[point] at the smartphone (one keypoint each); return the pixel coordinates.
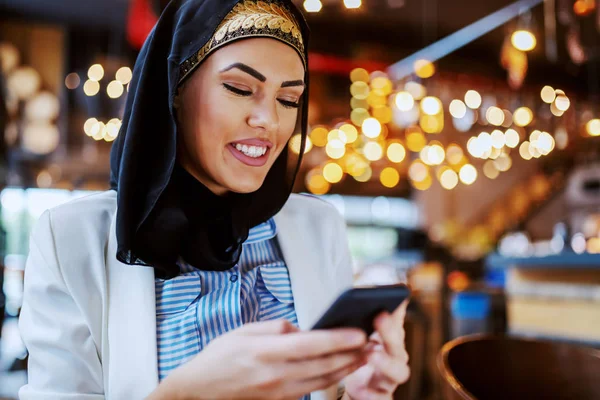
(358, 307)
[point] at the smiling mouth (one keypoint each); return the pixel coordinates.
(251, 151)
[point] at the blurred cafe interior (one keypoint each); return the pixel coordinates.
(460, 140)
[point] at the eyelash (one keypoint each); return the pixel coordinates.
(244, 93)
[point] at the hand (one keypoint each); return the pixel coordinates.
(266, 360)
(387, 365)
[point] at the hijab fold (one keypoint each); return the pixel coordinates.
(163, 213)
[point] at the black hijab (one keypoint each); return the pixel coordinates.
(163, 212)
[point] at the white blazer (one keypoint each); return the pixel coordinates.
(89, 321)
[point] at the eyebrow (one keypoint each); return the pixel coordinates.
(257, 75)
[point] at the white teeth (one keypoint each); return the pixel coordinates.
(251, 151)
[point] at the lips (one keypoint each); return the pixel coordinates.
(253, 152)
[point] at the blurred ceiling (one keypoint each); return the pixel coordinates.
(381, 30)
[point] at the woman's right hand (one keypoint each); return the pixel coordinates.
(266, 360)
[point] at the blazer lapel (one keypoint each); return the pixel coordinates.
(132, 353)
(305, 264)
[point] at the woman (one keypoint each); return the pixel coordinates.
(194, 277)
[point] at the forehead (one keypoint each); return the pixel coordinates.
(270, 57)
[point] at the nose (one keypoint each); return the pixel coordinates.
(264, 116)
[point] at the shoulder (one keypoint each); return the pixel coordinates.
(94, 212)
(80, 224)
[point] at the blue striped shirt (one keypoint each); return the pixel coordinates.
(197, 306)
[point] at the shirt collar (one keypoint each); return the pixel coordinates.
(265, 231)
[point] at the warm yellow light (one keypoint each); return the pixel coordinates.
(523, 116)
(389, 177)
(494, 153)
(424, 155)
(415, 140)
(72, 81)
(562, 102)
(373, 151)
(371, 128)
(358, 116)
(350, 131)
(124, 75)
(332, 172)
(432, 123)
(548, 95)
(545, 143)
(473, 99)
(352, 3)
(404, 101)
(318, 185)
(91, 88)
(418, 171)
(111, 130)
(98, 130)
(383, 114)
(435, 154)
(337, 134)
(319, 136)
(490, 170)
(523, 40)
(555, 111)
(424, 69)
(96, 72)
(295, 142)
(524, 151)
(313, 5)
(89, 125)
(593, 127)
(335, 149)
(431, 105)
(454, 154)
(359, 75)
(494, 115)
(416, 90)
(503, 163)
(458, 109)
(382, 85)
(358, 103)
(449, 179)
(115, 89)
(360, 90)
(498, 139)
(474, 148)
(424, 184)
(365, 176)
(468, 174)
(396, 152)
(512, 138)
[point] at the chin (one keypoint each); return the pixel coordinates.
(245, 186)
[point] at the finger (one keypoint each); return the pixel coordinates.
(313, 344)
(401, 310)
(392, 333)
(273, 327)
(317, 367)
(394, 371)
(326, 381)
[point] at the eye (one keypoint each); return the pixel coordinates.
(289, 104)
(237, 91)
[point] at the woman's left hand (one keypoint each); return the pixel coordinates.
(387, 360)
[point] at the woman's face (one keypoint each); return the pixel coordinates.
(237, 113)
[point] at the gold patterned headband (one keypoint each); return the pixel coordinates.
(250, 18)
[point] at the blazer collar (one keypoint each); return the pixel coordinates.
(132, 371)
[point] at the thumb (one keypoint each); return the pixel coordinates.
(274, 327)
